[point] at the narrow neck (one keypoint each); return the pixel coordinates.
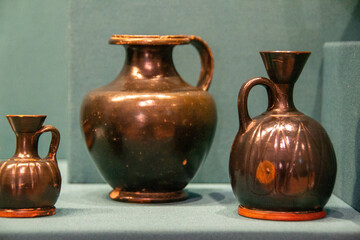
(284, 101)
(149, 61)
(26, 146)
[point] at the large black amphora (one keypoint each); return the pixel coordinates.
(148, 131)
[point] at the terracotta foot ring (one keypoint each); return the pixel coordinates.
(281, 216)
(27, 212)
(146, 197)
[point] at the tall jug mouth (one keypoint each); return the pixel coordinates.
(286, 52)
(149, 39)
(284, 67)
(26, 123)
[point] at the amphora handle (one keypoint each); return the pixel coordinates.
(244, 116)
(207, 62)
(55, 140)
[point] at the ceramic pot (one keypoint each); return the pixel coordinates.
(148, 131)
(282, 163)
(29, 185)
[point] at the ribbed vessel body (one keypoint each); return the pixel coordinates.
(33, 183)
(283, 163)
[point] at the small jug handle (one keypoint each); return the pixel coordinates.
(207, 62)
(244, 116)
(55, 140)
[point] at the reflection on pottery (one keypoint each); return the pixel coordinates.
(29, 185)
(148, 131)
(282, 163)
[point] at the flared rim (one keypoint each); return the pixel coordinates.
(149, 39)
(285, 51)
(25, 116)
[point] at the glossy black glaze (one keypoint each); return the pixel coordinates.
(281, 160)
(148, 131)
(29, 185)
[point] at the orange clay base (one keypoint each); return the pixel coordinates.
(281, 216)
(146, 197)
(27, 212)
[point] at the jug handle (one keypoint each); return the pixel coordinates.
(244, 116)
(55, 140)
(207, 62)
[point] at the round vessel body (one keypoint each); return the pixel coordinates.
(148, 131)
(283, 163)
(29, 184)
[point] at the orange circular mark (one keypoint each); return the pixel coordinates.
(184, 162)
(265, 172)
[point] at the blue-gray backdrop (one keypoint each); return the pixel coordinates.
(53, 52)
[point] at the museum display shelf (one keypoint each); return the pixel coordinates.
(85, 211)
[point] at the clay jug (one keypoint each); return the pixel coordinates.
(148, 131)
(282, 163)
(29, 185)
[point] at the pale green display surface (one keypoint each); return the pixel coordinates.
(84, 211)
(33, 67)
(235, 30)
(341, 115)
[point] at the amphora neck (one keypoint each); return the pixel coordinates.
(149, 61)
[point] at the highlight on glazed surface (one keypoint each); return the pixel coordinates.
(29, 185)
(282, 161)
(148, 131)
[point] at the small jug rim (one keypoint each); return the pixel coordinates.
(26, 115)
